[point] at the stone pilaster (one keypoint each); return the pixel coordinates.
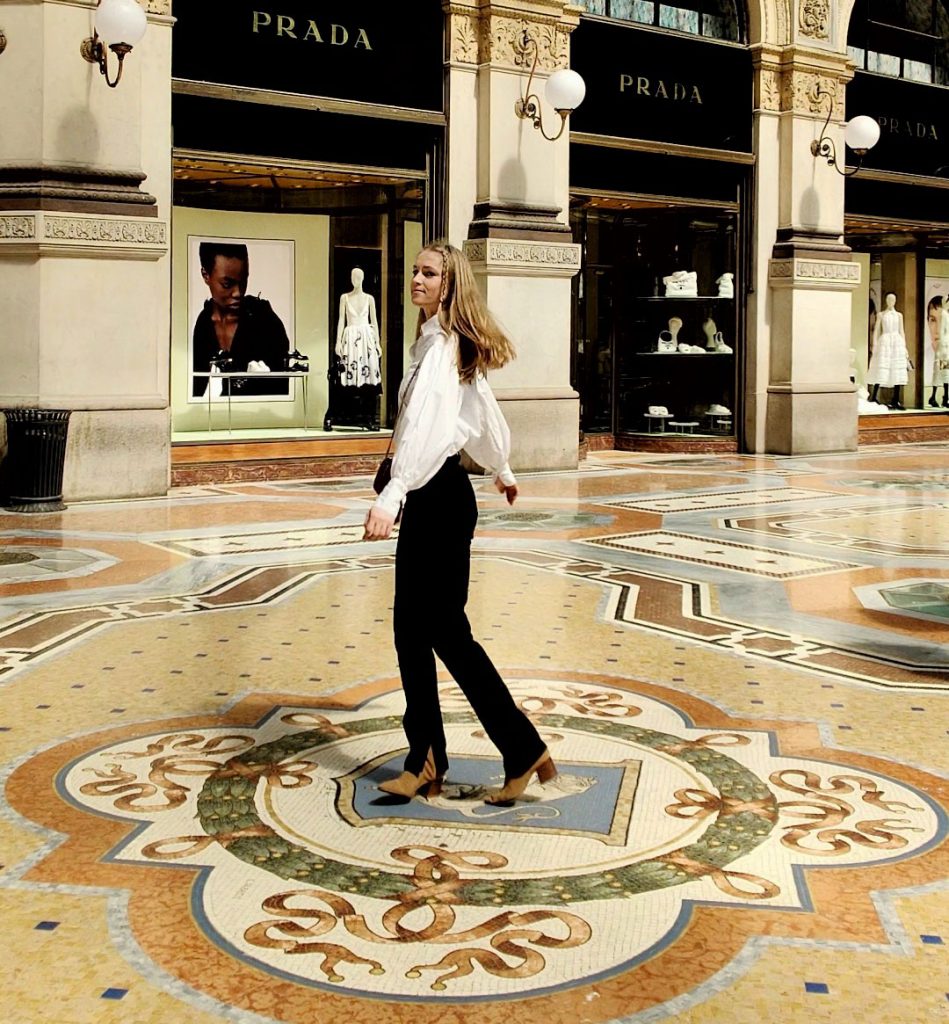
(799, 397)
(509, 200)
(85, 196)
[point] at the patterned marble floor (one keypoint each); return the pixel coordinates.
(739, 663)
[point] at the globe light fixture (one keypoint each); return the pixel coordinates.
(564, 91)
(121, 24)
(861, 134)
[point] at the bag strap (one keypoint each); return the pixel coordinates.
(398, 414)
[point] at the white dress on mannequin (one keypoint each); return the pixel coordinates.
(357, 338)
(941, 356)
(888, 365)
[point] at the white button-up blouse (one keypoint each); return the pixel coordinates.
(441, 416)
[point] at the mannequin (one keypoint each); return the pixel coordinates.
(357, 336)
(888, 364)
(937, 317)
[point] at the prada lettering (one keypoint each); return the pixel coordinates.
(914, 129)
(659, 89)
(306, 30)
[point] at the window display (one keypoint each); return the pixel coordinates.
(657, 313)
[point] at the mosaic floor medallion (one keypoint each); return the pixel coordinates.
(267, 824)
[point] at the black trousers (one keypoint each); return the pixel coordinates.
(432, 567)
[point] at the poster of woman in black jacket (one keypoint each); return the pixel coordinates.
(234, 331)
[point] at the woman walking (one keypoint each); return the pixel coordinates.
(446, 406)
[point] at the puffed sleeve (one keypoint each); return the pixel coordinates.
(429, 422)
(490, 445)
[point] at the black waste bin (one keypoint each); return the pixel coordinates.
(36, 455)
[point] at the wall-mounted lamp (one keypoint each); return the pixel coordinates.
(123, 21)
(564, 91)
(861, 133)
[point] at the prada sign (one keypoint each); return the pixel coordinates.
(366, 51)
(645, 84)
(913, 119)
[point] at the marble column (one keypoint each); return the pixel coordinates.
(85, 191)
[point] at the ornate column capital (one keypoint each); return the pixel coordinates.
(788, 80)
(493, 33)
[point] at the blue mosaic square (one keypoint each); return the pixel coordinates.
(47, 926)
(816, 987)
(596, 800)
(114, 993)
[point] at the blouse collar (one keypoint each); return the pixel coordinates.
(431, 325)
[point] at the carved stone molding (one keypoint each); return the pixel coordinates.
(465, 38)
(801, 93)
(768, 90)
(487, 35)
(49, 234)
(17, 227)
(157, 6)
(78, 190)
(502, 43)
(823, 275)
(539, 259)
(3, 41)
(814, 18)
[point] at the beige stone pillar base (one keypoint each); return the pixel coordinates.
(118, 451)
(811, 401)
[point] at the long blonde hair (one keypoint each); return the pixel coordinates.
(482, 344)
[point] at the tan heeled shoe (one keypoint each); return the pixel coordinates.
(408, 785)
(514, 788)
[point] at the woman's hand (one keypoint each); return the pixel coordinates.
(378, 525)
(508, 490)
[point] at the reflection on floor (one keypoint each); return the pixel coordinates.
(740, 665)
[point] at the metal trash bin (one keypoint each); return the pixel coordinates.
(36, 457)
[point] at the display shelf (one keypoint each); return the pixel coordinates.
(685, 298)
(683, 355)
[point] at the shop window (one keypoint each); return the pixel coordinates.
(713, 19)
(906, 39)
(289, 304)
(657, 320)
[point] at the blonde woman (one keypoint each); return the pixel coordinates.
(446, 406)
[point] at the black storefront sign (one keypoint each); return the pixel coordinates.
(913, 119)
(372, 52)
(645, 84)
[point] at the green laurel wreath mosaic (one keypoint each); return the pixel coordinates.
(227, 811)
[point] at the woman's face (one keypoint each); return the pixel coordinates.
(427, 281)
